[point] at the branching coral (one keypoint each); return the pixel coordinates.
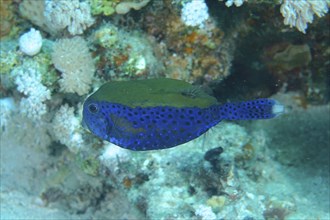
(66, 128)
(8, 60)
(28, 81)
(296, 13)
(54, 16)
(73, 15)
(72, 58)
(195, 13)
(299, 13)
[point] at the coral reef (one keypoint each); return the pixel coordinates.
(72, 58)
(30, 43)
(124, 55)
(190, 53)
(284, 58)
(28, 81)
(8, 59)
(299, 13)
(194, 13)
(6, 17)
(54, 16)
(66, 128)
(104, 7)
(296, 13)
(73, 15)
(237, 3)
(109, 7)
(52, 168)
(34, 12)
(125, 7)
(205, 212)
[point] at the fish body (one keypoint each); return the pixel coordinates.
(162, 113)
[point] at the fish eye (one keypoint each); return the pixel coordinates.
(93, 108)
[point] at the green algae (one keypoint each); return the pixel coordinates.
(105, 7)
(106, 36)
(90, 165)
(8, 61)
(9, 58)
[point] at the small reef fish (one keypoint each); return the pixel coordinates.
(155, 114)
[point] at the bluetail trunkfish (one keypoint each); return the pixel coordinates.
(156, 114)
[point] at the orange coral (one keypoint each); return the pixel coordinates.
(189, 54)
(120, 59)
(192, 37)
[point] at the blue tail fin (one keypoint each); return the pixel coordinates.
(250, 110)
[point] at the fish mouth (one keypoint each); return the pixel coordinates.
(83, 124)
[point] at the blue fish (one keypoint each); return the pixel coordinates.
(156, 114)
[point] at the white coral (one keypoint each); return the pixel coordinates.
(73, 15)
(113, 155)
(72, 58)
(30, 43)
(195, 13)
(237, 3)
(299, 13)
(28, 81)
(66, 128)
(205, 213)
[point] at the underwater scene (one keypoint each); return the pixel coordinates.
(165, 109)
